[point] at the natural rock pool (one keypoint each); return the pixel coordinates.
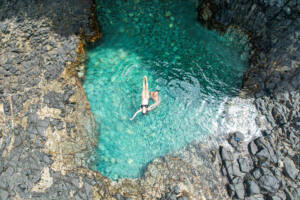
(195, 70)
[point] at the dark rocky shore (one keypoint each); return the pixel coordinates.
(47, 131)
(268, 167)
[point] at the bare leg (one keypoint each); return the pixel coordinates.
(144, 89)
(145, 92)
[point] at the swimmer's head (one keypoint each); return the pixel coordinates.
(154, 94)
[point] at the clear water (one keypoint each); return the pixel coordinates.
(195, 71)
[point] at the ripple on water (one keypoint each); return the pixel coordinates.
(195, 71)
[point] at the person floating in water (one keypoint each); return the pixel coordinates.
(145, 99)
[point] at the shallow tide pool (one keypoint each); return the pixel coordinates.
(195, 70)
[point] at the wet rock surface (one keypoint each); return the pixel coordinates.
(270, 163)
(46, 129)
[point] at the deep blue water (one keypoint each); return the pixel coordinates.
(195, 71)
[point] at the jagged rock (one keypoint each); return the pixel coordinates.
(182, 198)
(252, 188)
(274, 198)
(246, 164)
(3, 194)
(290, 168)
(240, 190)
(252, 148)
(288, 194)
(54, 100)
(232, 170)
(272, 25)
(269, 183)
(256, 197)
(226, 154)
(256, 174)
(230, 190)
(266, 152)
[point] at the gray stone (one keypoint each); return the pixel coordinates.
(290, 168)
(182, 198)
(3, 194)
(226, 154)
(120, 197)
(89, 191)
(288, 194)
(281, 195)
(232, 170)
(256, 174)
(246, 164)
(267, 151)
(252, 148)
(240, 190)
(173, 197)
(252, 188)
(54, 100)
(230, 190)
(263, 154)
(274, 198)
(68, 94)
(269, 183)
(297, 193)
(256, 197)
(278, 113)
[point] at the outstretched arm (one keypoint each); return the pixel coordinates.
(154, 105)
(140, 110)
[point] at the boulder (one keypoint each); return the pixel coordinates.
(252, 188)
(226, 154)
(3, 194)
(269, 183)
(246, 164)
(252, 148)
(240, 190)
(289, 168)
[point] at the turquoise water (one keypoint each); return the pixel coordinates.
(195, 71)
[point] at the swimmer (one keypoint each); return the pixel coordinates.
(145, 99)
(156, 99)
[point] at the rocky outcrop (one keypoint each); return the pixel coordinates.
(47, 130)
(46, 127)
(273, 78)
(41, 103)
(261, 169)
